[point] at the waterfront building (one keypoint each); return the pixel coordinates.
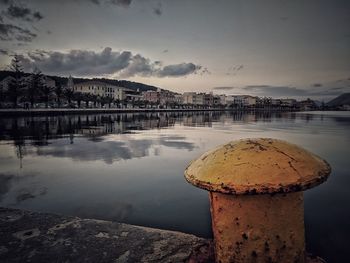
(188, 98)
(178, 99)
(249, 101)
(288, 103)
(102, 89)
(222, 99)
(151, 96)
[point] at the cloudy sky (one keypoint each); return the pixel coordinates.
(278, 48)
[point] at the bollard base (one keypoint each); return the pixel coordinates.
(258, 228)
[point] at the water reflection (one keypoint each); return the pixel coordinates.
(41, 129)
(129, 167)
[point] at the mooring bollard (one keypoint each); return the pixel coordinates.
(256, 198)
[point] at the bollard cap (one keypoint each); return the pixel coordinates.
(257, 166)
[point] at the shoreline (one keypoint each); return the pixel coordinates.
(65, 111)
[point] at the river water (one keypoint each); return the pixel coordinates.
(129, 167)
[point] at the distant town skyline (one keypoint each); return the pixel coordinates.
(271, 48)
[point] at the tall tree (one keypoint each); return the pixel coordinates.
(47, 92)
(87, 97)
(34, 86)
(68, 94)
(59, 93)
(78, 97)
(2, 95)
(15, 87)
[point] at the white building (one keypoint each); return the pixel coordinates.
(101, 89)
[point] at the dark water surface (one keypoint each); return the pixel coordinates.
(129, 167)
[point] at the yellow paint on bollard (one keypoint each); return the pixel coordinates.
(256, 216)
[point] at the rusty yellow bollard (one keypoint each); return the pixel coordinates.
(256, 198)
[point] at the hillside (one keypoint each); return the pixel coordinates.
(343, 99)
(63, 81)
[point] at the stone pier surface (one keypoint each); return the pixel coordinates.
(40, 237)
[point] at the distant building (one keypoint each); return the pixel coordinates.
(132, 95)
(188, 98)
(102, 89)
(162, 97)
(223, 99)
(178, 99)
(151, 96)
(249, 101)
(208, 99)
(216, 101)
(288, 103)
(307, 105)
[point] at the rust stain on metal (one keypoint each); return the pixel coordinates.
(256, 198)
(271, 166)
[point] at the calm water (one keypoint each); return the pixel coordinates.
(129, 167)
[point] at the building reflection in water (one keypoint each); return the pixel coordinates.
(39, 130)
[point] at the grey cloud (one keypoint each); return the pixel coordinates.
(165, 51)
(10, 32)
(139, 66)
(124, 3)
(316, 85)
(315, 91)
(78, 62)
(106, 62)
(178, 70)
(266, 90)
(234, 70)
(223, 88)
(158, 9)
(37, 15)
(24, 13)
(4, 52)
(5, 2)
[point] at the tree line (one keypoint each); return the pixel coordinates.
(32, 90)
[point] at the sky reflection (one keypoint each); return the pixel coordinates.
(129, 167)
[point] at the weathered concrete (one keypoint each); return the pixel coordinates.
(39, 237)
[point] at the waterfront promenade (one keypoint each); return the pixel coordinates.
(67, 111)
(41, 237)
(28, 236)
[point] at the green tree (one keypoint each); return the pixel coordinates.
(2, 95)
(34, 86)
(59, 93)
(109, 101)
(87, 97)
(95, 99)
(68, 94)
(15, 87)
(47, 93)
(78, 97)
